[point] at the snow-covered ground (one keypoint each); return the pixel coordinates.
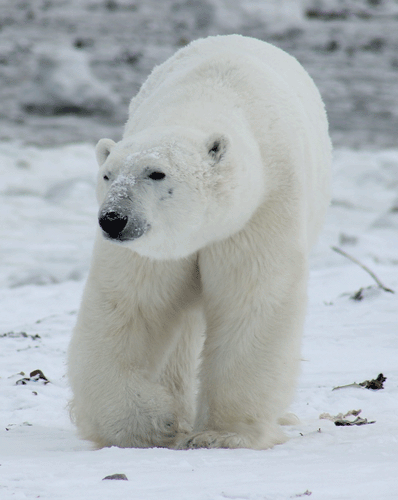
(48, 221)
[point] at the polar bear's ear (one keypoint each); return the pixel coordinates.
(216, 147)
(102, 150)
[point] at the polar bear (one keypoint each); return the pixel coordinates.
(190, 325)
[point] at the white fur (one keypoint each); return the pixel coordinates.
(239, 131)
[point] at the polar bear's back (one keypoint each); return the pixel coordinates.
(237, 46)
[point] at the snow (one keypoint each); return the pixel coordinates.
(49, 219)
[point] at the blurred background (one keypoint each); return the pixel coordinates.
(68, 68)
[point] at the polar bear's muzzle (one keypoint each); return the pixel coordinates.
(120, 227)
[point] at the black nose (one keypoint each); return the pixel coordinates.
(112, 223)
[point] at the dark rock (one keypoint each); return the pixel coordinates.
(119, 477)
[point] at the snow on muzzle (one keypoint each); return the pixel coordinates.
(120, 225)
(119, 217)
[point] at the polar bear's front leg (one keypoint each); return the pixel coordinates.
(116, 401)
(255, 301)
(131, 319)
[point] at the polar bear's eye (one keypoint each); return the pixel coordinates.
(157, 176)
(215, 148)
(106, 178)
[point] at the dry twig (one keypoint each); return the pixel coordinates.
(365, 268)
(375, 384)
(342, 420)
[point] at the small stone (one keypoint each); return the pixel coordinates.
(120, 477)
(38, 375)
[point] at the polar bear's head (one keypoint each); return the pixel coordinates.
(167, 196)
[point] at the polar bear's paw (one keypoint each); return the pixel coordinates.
(162, 430)
(213, 439)
(154, 431)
